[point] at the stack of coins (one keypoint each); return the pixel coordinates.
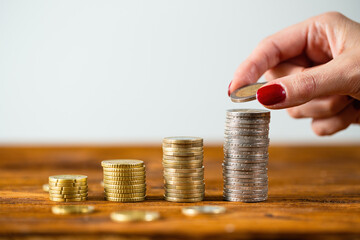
(68, 188)
(183, 169)
(246, 155)
(124, 180)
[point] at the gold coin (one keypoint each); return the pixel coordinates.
(67, 196)
(77, 188)
(175, 162)
(124, 195)
(172, 174)
(184, 191)
(68, 199)
(182, 154)
(134, 216)
(124, 183)
(61, 184)
(176, 145)
(178, 171)
(69, 192)
(115, 174)
(122, 163)
(45, 187)
(186, 195)
(141, 186)
(187, 186)
(180, 183)
(184, 179)
(182, 166)
(72, 209)
(135, 199)
(116, 178)
(205, 209)
(124, 170)
(187, 150)
(183, 140)
(182, 158)
(68, 178)
(172, 199)
(129, 190)
(124, 174)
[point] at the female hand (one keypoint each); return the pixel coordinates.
(313, 69)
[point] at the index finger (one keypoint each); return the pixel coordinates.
(288, 43)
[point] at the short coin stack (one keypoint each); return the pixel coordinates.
(124, 180)
(68, 188)
(246, 155)
(183, 169)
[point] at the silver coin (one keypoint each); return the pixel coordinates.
(235, 187)
(242, 172)
(246, 176)
(249, 112)
(244, 166)
(247, 200)
(229, 180)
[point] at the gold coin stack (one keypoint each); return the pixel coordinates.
(183, 169)
(124, 180)
(68, 188)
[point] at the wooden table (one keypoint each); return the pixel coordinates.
(314, 192)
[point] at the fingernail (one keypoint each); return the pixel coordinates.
(229, 89)
(356, 104)
(271, 94)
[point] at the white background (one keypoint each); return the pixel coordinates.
(136, 71)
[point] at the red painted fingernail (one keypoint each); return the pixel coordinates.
(229, 89)
(271, 94)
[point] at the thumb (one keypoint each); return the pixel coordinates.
(296, 89)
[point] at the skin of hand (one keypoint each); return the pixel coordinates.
(313, 69)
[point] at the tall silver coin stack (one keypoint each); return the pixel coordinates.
(246, 155)
(183, 169)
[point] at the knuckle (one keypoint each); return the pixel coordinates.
(305, 85)
(332, 15)
(332, 106)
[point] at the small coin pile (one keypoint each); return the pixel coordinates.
(68, 188)
(124, 180)
(246, 155)
(183, 169)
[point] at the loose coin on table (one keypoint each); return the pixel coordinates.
(45, 187)
(124, 180)
(246, 154)
(183, 169)
(68, 188)
(206, 209)
(72, 209)
(246, 93)
(134, 216)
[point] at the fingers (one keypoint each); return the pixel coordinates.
(321, 107)
(281, 46)
(342, 120)
(337, 77)
(281, 70)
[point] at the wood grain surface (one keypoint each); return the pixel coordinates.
(314, 193)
